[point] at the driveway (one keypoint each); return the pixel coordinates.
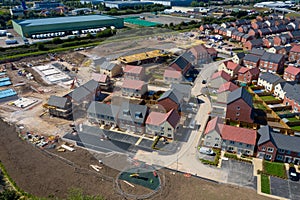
(285, 188)
(240, 173)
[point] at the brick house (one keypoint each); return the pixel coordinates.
(279, 50)
(271, 62)
(269, 80)
(230, 68)
(253, 32)
(292, 96)
(243, 29)
(282, 39)
(134, 72)
(246, 37)
(132, 117)
(172, 76)
(239, 36)
(238, 58)
(170, 100)
(295, 35)
(162, 124)
(134, 88)
(274, 146)
(292, 73)
(104, 81)
(224, 90)
(255, 43)
(201, 55)
(294, 53)
(251, 61)
(263, 32)
(246, 75)
(218, 79)
(268, 42)
(181, 64)
(229, 138)
(240, 106)
(257, 51)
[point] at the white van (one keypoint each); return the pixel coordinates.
(206, 150)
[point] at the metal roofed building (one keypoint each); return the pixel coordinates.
(29, 27)
(123, 4)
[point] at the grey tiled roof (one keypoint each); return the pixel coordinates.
(103, 109)
(270, 77)
(251, 57)
(240, 93)
(133, 112)
(272, 57)
(59, 102)
(181, 62)
(281, 141)
(292, 92)
(258, 52)
(107, 65)
(173, 94)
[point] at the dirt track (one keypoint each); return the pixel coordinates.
(43, 175)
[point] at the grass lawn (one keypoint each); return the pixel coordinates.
(268, 98)
(265, 184)
(259, 106)
(295, 128)
(275, 169)
(293, 119)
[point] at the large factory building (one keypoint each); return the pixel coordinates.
(29, 27)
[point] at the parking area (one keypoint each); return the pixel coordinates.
(285, 188)
(240, 173)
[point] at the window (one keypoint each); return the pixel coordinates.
(208, 137)
(241, 144)
(216, 145)
(247, 152)
(230, 148)
(280, 150)
(217, 139)
(237, 114)
(279, 157)
(169, 135)
(207, 143)
(288, 152)
(231, 142)
(249, 145)
(268, 157)
(263, 148)
(270, 149)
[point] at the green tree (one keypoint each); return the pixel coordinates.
(9, 195)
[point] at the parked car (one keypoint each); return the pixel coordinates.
(293, 174)
(206, 150)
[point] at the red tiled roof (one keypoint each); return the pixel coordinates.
(214, 124)
(133, 69)
(172, 73)
(254, 71)
(99, 77)
(231, 65)
(229, 86)
(237, 134)
(243, 70)
(133, 84)
(223, 74)
(292, 70)
(157, 118)
(295, 48)
(211, 50)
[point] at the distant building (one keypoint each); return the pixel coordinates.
(134, 72)
(125, 4)
(46, 5)
(294, 55)
(134, 88)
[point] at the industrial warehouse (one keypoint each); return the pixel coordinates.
(64, 25)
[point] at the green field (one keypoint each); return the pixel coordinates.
(275, 169)
(268, 98)
(295, 128)
(265, 184)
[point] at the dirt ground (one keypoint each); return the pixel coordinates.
(42, 175)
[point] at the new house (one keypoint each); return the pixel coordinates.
(238, 58)
(162, 124)
(172, 76)
(132, 117)
(218, 79)
(181, 64)
(134, 72)
(224, 90)
(229, 138)
(200, 55)
(269, 80)
(102, 114)
(104, 81)
(240, 105)
(110, 69)
(271, 62)
(275, 146)
(292, 73)
(251, 61)
(246, 75)
(292, 96)
(294, 55)
(170, 100)
(134, 88)
(60, 107)
(255, 43)
(230, 68)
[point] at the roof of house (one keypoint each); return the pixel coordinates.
(84, 90)
(240, 93)
(281, 141)
(103, 109)
(99, 61)
(182, 88)
(251, 58)
(272, 57)
(157, 118)
(295, 48)
(107, 65)
(254, 71)
(222, 74)
(256, 42)
(102, 78)
(133, 69)
(292, 70)
(133, 84)
(200, 48)
(232, 133)
(59, 102)
(230, 65)
(173, 94)
(270, 77)
(243, 70)
(172, 73)
(292, 91)
(240, 55)
(211, 51)
(181, 62)
(133, 112)
(258, 52)
(238, 134)
(229, 86)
